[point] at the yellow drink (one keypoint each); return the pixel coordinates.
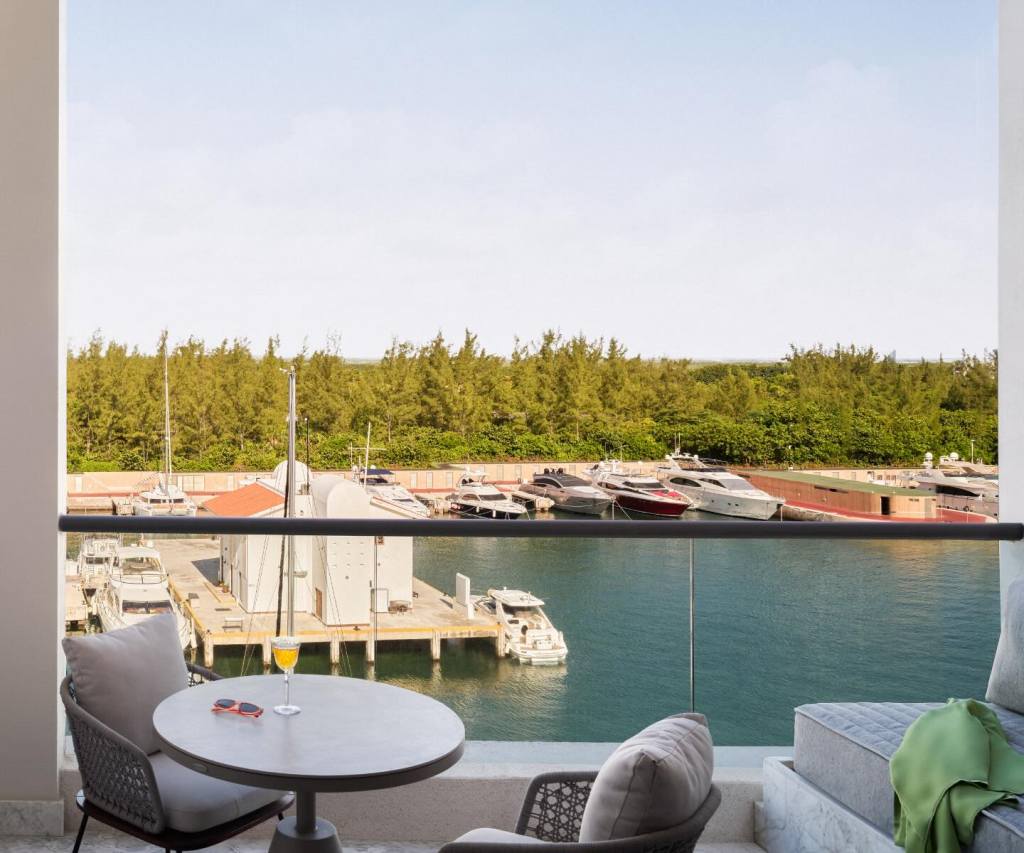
(286, 655)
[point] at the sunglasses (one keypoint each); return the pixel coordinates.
(233, 706)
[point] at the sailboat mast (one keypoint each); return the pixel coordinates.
(290, 501)
(366, 457)
(167, 427)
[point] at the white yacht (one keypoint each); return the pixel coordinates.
(385, 491)
(474, 497)
(164, 499)
(715, 489)
(568, 492)
(137, 589)
(529, 636)
(959, 485)
(92, 568)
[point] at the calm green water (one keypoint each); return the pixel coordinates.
(779, 623)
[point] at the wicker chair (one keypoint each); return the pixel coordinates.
(119, 788)
(553, 811)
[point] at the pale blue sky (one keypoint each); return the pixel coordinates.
(715, 180)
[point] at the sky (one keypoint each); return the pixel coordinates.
(705, 180)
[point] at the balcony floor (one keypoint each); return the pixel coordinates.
(125, 844)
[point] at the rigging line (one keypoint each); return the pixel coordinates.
(321, 542)
(248, 648)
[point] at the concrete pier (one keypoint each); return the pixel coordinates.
(221, 622)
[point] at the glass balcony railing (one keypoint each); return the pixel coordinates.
(782, 613)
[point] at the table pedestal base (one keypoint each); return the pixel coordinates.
(305, 833)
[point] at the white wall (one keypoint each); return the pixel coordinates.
(1011, 281)
(261, 572)
(31, 417)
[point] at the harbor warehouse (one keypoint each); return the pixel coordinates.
(845, 497)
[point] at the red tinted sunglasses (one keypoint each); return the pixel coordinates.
(233, 706)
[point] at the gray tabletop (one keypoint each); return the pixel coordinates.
(352, 734)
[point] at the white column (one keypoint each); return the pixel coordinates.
(1011, 281)
(31, 415)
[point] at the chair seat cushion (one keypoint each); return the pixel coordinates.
(655, 780)
(121, 676)
(194, 802)
(497, 836)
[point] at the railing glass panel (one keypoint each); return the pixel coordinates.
(778, 622)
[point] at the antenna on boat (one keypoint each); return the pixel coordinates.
(290, 500)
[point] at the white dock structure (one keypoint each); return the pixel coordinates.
(220, 621)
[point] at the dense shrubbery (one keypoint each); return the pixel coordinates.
(555, 399)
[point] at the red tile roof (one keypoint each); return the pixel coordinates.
(254, 499)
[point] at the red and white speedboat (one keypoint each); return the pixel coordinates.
(638, 492)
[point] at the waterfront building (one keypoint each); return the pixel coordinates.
(335, 575)
(852, 498)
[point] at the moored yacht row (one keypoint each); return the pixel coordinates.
(682, 482)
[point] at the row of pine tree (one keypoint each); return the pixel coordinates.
(559, 397)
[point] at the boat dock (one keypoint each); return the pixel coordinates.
(221, 622)
(76, 605)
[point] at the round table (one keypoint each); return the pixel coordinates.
(352, 735)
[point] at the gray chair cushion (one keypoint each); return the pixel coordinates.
(121, 676)
(194, 802)
(497, 836)
(655, 780)
(1006, 681)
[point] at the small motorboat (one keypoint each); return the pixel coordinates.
(474, 497)
(529, 636)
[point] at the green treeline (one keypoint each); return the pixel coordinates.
(559, 398)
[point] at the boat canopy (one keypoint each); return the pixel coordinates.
(644, 483)
(561, 478)
(137, 552)
(516, 598)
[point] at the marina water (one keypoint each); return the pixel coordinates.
(778, 623)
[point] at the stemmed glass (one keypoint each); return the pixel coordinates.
(286, 655)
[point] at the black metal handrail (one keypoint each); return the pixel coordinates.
(548, 529)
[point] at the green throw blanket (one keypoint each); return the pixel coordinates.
(953, 762)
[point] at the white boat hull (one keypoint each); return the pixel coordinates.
(140, 508)
(111, 620)
(736, 506)
(539, 657)
(483, 510)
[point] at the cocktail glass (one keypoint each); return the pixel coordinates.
(286, 655)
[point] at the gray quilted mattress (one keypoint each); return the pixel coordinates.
(844, 749)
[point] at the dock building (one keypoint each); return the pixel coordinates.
(852, 498)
